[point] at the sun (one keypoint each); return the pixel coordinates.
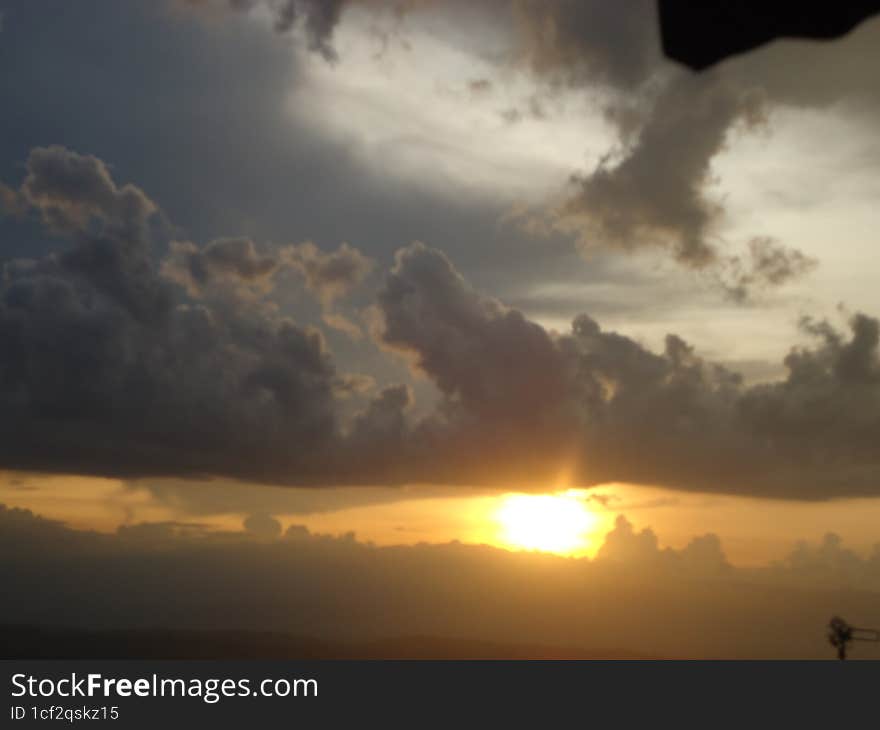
(555, 523)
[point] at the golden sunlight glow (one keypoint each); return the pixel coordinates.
(556, 523)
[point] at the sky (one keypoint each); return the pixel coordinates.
(425, 277)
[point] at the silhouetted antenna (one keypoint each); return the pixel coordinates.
(840, 634)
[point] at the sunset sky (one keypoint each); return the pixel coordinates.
(435, 272)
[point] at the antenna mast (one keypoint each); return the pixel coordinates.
(840, 634)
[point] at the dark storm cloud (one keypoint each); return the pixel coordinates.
(476, 350)
(607, 409)
(105, 363)
(109, 367)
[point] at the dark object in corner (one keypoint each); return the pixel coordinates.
(704, 33)
(841, 635)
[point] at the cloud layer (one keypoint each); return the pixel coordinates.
(656, 187)
(600, 406)
(116, 364)
(634, 596)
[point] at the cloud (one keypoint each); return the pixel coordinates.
(608, 409)
(329, 276)
(10, 201)
(628, 549)
(317, 18)
(768, 264)
(655, 188)
(237, 267)
(229, 262)
(111, 367)
(634, 596)
(814, 73)
(71, 191)
(656, 194)
(262, 526)
(107, 369)
(590, 42)
(480, 87)
(476, 350)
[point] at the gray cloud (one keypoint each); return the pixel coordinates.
(656, 194)
(107, 369)
(655, 190)
(602, 406)
(71, 191)
(228, 262)
(110, 367)
(237, 265)
(767, 264)
(588, 42)
(816, 73)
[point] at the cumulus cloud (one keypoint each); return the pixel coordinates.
(332, 275)
(609, 409)
(628, 549)
(104, 363)
(71, 191)
(116, 364)
(231, 262)
(239, 267)
(262, 526)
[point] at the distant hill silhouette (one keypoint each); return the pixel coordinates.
(33, 642)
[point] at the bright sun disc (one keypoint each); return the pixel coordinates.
(551, 523)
